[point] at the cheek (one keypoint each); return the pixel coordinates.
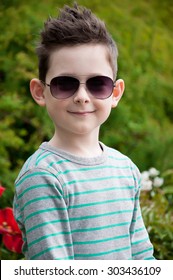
(105, 111)
(53, 110)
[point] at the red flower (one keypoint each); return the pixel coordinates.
(12, 237)
(2, 189)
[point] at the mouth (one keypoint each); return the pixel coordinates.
(81, 113)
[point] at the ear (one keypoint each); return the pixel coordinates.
(117, 92)
(37, 91)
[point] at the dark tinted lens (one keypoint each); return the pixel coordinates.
(63, 86)
(100, 86)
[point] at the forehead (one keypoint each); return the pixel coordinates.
(86, 59)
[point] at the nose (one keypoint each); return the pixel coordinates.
(81, 95)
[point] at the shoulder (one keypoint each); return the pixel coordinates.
(37, 176)
(116, 155)
(39, 161)
(123, 161)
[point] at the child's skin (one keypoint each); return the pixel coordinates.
(77, 119)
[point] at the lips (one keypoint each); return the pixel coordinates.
(81, 112)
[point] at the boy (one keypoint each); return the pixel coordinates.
(75, 197)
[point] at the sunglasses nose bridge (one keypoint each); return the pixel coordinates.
(82, 93)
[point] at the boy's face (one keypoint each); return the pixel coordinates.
(81, 113)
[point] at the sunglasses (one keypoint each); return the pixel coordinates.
(62, 87)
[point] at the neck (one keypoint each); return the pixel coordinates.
(80, 145)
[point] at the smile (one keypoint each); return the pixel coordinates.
(82, 113)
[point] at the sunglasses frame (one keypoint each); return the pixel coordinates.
(79, 83)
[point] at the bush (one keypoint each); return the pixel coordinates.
(157, 209)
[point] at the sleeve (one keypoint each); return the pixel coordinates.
(42, 214)
(142, 248)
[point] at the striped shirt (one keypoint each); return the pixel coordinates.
(70, 207)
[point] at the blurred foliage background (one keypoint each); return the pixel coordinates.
(141, 127)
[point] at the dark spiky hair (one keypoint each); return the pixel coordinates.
(74, 26)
